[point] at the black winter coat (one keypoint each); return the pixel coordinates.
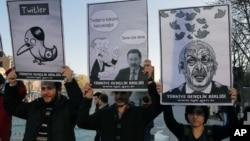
(130, 127)
(219, 132)
(63, 117)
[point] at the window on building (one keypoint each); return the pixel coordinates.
(1, 54)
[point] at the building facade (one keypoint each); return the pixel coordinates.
(6, 62)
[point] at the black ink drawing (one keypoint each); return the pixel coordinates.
(190, 17)
(34, 42)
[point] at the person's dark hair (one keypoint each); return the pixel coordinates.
(190, 109)
(58, 85)
(97, 94)
(134, 51)
(145, 99)
(103, 98)
(2, 80)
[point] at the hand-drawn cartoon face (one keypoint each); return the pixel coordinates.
(134, 58)
(33, 37)
(34, 43)
(198, 64)
(100, 46)
(29, 39)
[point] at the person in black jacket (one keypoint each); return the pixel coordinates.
(246, 110)
(146, 102)
(51, 117)
(96, 100)
(196, 117)
(5, 118)
(121, 121)
(103, 103)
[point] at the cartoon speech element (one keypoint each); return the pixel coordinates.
(133, 37)
(104, 20)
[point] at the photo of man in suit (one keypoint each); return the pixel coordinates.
(134, 71)
(197, 62)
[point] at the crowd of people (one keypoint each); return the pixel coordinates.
(53, 116)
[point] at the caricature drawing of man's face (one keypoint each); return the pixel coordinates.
(101, 49)
(198, 64)
(29, 39)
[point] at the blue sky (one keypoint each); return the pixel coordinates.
(75, 29)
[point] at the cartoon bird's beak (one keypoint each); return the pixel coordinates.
(23, 49)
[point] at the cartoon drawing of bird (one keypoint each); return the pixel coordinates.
(172, 11)
(34, 42)
(205, 26)
(201, 20)
(220, 13)
(163, 14)
(197, 10)
(174, 25)
(190, 28)
(180, 14)
(208, 7)
(179, 36)
(190, 36)
(190, 16)
(202, 34)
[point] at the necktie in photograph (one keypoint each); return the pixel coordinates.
(133, 75)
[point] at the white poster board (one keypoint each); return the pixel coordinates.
(1, 46)
(1, 51)
(195, 55)
(37, 38)
(118, 42)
